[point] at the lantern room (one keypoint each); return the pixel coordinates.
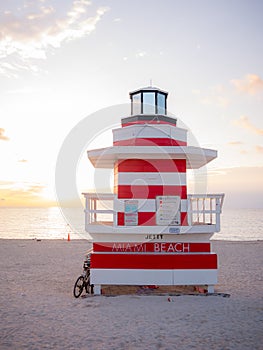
(148, 105)
(149, 100)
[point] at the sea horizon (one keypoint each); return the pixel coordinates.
(49, 223)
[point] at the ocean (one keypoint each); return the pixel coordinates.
(49, 223)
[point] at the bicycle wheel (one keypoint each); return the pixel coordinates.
(88, 286)
(78, 287)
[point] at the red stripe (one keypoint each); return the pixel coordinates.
(144, 219)
(153, 261)
(184, 219)
(150, 142)
(157, 247)
(147, 122)
(150, 192)
(152, 165)
(149, 219)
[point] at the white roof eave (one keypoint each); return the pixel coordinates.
(196, 157)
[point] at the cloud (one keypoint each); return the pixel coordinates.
(250, 84)
(215, 96)
(140, 54)
(243, 186)
(2, 135)
(235, 143)
(259, 149)
(28, 34)
(23, 194)
(245, 123)
(215, 100)
(22, 187)
(21, 91)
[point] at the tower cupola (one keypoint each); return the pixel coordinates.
(148, 106)
(148, 101)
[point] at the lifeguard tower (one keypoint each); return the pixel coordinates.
(150, 231)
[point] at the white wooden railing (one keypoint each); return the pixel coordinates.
(99, 209)
(203, 209)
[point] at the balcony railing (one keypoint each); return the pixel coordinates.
(205, 209)
(202, 209)
(99, 209)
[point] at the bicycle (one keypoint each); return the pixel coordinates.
(83, 281)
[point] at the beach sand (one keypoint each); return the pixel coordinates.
(38, 310)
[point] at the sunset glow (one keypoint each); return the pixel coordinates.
(62, 61)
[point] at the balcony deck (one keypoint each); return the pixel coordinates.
(203, 213)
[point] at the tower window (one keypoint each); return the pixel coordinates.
(136, 104)
(148, 101)
(161, 108)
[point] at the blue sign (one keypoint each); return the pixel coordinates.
(174, 230)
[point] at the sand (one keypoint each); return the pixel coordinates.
(38, 310)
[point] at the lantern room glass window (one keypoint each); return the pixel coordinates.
(136, 104)
(161, 108)
(148, 102)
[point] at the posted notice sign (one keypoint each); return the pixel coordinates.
(168, 210)
(131, 212)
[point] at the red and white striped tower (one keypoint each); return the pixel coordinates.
(158, 233)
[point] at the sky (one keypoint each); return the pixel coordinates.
(62, 61)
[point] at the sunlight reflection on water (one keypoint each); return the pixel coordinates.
(48, 223)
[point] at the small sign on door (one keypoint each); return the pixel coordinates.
(131, 212)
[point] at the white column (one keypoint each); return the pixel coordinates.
(211, 289)
(218, 212)
(97, 289)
